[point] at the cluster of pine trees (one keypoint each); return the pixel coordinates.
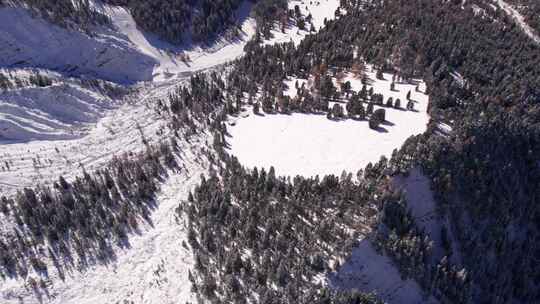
(9, 81)
(73, 14)
(175, 20)
(257, 237)
(83, 220)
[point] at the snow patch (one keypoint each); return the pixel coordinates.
(320, 10)
(368, 271)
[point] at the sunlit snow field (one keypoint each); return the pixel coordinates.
(310, 144)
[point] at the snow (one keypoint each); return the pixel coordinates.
(368, 271)
(319, 10)
(421, 203)
(153, 269)
(120, 130)
(122, 53)
(169, 57)
(55, 112)
(314, 145)
(28, 41)
(519, 19)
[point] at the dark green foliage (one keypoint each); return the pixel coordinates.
(486, 172)
(40, 80)
(172, 20)
(266, 12)
(273, 231)
(75, 14)
(85, 218)
(377, 118)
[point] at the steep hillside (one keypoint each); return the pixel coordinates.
(33, 42)
(51, 107)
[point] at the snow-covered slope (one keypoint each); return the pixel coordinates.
(121, 53)
(152, 269)
(119, 130)
(60, 111)
(368, 271)
(28, 41)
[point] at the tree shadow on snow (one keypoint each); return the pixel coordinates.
(388, 123)
(380, 129)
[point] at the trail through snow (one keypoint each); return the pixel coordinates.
(518, 18)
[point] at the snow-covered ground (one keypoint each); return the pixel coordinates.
(121, 53)
(312, 144)
(368, 271)
(320, 10)
(153, 269)
(120, 130)
(519, 19)
(62, 110)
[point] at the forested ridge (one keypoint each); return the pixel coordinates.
(174, 21)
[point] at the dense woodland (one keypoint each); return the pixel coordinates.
(175, 21)
(261, 238)
(483, 79)
(530, 9)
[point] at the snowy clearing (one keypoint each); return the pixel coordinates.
(314, 145)
(62, 110)
(320, 10)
